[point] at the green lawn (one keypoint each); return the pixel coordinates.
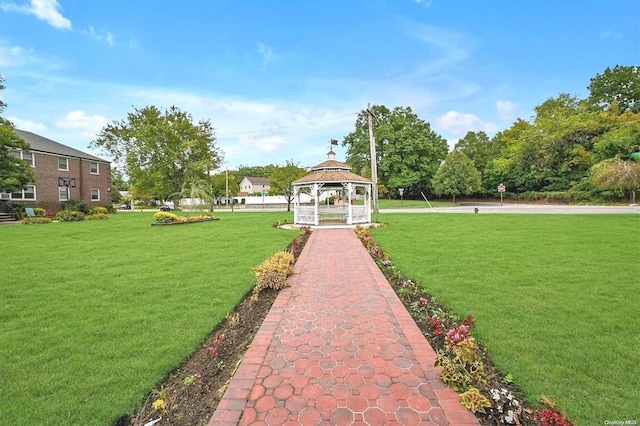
(94, 314)
(556, 298)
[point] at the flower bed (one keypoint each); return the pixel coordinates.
(466, 368)
(166, 218)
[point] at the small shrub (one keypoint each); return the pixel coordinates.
(69, 216)
(273, 272)
(474, 401)
(97, 216)
(76, 206)
(166, 217)
(39, 211)
(98, 210)
(506, 408)
(35, 220)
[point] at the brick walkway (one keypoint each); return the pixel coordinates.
(339, 348)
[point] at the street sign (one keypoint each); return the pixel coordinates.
(501, 188)
(401, 191)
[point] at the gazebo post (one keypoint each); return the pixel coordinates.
(316, 211)
(349, 206)
(296, 203)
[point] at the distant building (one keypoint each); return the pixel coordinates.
(62, 174)
(252, 185)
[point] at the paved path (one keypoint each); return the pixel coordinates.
(338, 347)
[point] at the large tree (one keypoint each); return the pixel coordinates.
(281, 179)
(161, 150)
(480, 149)
(15, 173)
(408, 152)
(456, 176)
(615, 173)
(619, 85)
(255, 171)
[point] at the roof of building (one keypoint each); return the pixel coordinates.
(42, 144)
(258, 180)
(331, 171)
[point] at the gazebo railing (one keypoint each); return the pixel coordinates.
(360, 214)
(305, 215)
(333, 214)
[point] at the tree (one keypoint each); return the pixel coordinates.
(281, 179)
(223, 180)
(456, 176)
(408, 152)
(255, 171)
(480, 149)
(15, 172)
(620, 85)
(160, 151)
(615, 173)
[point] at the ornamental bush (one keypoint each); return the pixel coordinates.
(39, 211)
(273, 272)
(96, 216)
(98, 210)
(69, 216)
(166, 217)
(35, 220)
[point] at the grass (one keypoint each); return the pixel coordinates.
(94, 314)
(555, 298)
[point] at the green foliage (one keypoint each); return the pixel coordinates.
(273, 272)
(39, 211)
(97, 216)
(408, 151)
(474, 401)
(620, 85)
(76, 205)
(617, 174)
(480, 149)
(281, 180)
(15, 173)
(254, 171)
(160, 150)
(35, 220)
(98, 210)
(166, 217)
(456, 176)
(70, 216)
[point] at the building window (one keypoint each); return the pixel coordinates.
(95, 194)
(25, 155)
(63, 163)
(95, 169)
(27, 193)
(63, 193)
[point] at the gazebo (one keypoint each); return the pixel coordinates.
(336, 195)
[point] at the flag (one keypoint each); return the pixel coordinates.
(334, 142)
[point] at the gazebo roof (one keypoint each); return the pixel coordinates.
(331, 171)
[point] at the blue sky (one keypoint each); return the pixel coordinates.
(279, 79)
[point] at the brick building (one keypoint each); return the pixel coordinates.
(62, 174)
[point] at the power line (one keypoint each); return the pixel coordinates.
(307, 123)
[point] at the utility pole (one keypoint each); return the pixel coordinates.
(374, 166)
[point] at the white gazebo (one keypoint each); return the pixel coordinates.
(338, 195)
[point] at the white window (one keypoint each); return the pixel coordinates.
(25, 155)
(63, 193)
(95, 194)
(27, 193)
(63, 163)
(95, 169)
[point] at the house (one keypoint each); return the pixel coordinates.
(253, 185)
(62, 174)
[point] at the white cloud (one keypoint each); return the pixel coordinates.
(103, 36)
(611, 35)
(267, 54)
(425, 3)
(458, 123)
(45, 10)
(506, 109)
(28, 125)
(89, 125)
